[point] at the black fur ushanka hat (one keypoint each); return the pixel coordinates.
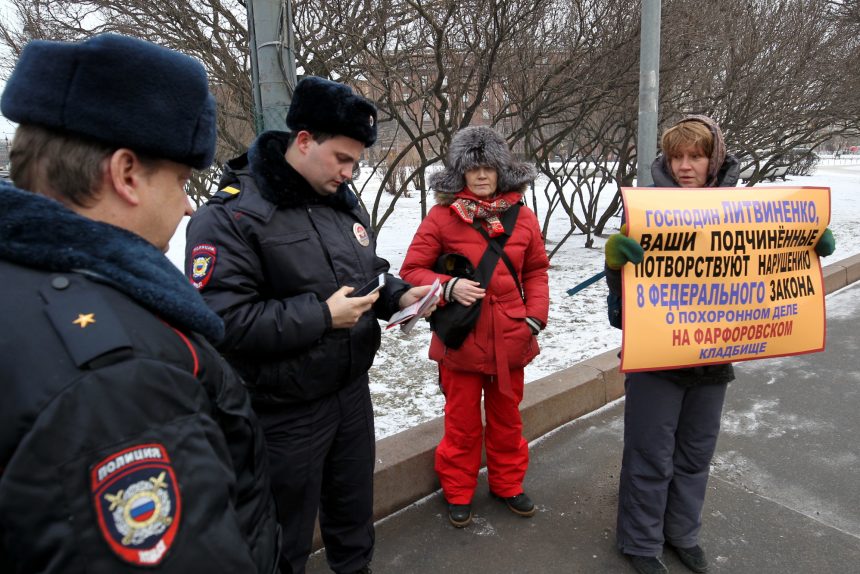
(117, 90)
(322, 105)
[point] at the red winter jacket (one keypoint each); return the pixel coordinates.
(501, 334)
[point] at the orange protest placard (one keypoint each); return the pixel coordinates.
(729, 274)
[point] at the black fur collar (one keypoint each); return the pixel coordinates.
(281, 184)
(40, 233)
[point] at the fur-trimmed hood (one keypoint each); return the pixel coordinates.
(477, 146)
(40, 233)
(278, 182)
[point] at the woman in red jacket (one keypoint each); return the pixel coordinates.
(479, 184)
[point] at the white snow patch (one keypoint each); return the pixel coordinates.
(481, 527)
(765, 417)
(404, 381)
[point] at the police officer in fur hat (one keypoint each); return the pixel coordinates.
(126, 442)
(277, 253)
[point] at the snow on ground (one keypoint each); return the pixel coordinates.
(404, 382)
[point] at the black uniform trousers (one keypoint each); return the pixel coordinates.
(670, 433)
(321, 457)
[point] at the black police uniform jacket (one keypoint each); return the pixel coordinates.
(266, 252)
(125, 440)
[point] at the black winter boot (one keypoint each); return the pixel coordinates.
(648, 564)
(520, 504)
(693, 557)
(460, 515)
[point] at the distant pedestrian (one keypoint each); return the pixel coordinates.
(478, 201)
(126, 443)
(672, 416)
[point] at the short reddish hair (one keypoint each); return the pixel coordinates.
(687, 134)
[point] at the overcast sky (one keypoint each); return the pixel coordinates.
(7, 128)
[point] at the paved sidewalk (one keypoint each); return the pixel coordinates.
(784, 494)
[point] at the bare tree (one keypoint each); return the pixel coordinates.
(580, 133)
(214, 31)
(558, 78)
(433, 67)
(773, 73)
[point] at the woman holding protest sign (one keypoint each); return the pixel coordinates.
(487, 250)
(672, 416)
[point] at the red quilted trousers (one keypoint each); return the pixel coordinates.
(458, 456)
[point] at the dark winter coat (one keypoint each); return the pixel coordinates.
(266, 252)
(125, 440)
(727, 176)
(501, 331)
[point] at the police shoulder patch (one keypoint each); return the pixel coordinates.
(137, 503)
(202, 264)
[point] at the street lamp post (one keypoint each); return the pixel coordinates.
(273, 64)
(649, 91)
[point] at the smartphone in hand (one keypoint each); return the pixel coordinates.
(372, 286)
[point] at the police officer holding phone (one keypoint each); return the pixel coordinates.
(277, 252)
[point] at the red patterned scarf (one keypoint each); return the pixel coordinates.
(470, 207)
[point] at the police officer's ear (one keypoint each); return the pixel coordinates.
(303, 141)
(124, 175)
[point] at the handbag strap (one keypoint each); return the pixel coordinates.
(495, 248)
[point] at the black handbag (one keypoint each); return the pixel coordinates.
(453, 321)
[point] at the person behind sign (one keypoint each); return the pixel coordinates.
(672, 416)
(277, 253)
(126, 442)
(480, 184)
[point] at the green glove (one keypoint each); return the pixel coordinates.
(826, 244)
(620, 249)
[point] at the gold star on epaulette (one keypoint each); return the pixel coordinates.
(85, 319)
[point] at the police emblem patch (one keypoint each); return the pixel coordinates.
(202, 264)
(361, 234)
(137, 503)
